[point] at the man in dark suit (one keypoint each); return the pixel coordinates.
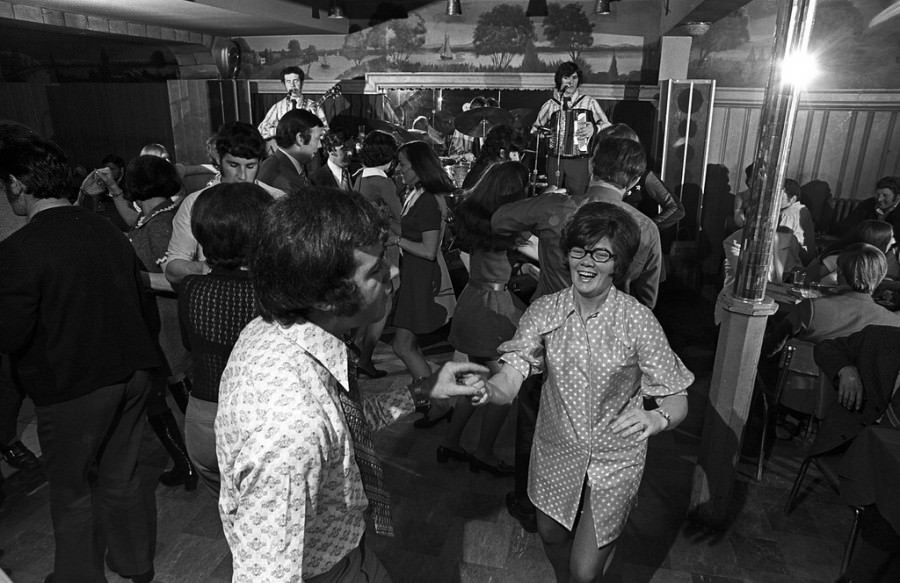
(866, 370)
(336, 170)
(883, 206)
(76, 322)
(298, 138)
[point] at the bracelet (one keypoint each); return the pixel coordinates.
(421, 401)
(665, 415)
(115, 195)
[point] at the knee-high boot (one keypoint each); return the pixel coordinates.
(180, 391)
(166, 429)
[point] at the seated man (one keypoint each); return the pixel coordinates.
(299, 475)
(882, 206)
(866, 372)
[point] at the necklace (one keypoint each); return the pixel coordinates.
(144, 219)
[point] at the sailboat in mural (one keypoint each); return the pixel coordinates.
(446, 53)
(324, 64)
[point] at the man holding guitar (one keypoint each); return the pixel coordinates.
(292, 79)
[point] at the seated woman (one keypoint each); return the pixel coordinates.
(214, 308)
(602, 352)
(824, 270)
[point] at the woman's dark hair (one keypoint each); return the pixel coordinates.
(224, 221)
(149, 177)
(596, 220)
(378, 148)
(427, 167)
(501, 183)
(304, 252)
(873, 232)
(500, 137)
(618, 161)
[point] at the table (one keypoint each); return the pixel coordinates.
(870, 472)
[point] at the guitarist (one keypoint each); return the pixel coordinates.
(292, 79)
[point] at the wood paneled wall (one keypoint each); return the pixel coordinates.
(90, 120)
(849, 139)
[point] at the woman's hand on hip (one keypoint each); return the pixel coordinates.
(638, 424)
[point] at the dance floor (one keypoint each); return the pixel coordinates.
(453, 526)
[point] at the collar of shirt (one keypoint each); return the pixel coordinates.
(336, 171)
(599, 191)
(366, 172)
(328, 350)
(887, 211)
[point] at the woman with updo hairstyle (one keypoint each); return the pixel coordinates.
(379, 150)
(215, 307)
(150, 182)
(487, 313)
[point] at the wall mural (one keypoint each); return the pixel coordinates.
(489, 36)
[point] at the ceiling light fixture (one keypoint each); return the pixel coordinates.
(536, 9)
(454, 8)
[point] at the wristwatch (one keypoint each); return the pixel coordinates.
(665, 415)
(421, 401)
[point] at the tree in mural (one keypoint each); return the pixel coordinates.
(354, 48)
(405, 36)
(307, 57)
(724, 34)
(530, 60)
(568, 28)
(501, 33)
(294, 49)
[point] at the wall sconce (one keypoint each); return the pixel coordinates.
(696, 28)
(536, 9)
(335, 11)
(454, 8)
(602, 7)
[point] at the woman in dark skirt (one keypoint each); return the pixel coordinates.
(425, 299)
(487, 313)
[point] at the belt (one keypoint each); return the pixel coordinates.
(490, 286)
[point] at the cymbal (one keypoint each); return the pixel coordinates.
(421, 135)
(479, 121)
(523, 118)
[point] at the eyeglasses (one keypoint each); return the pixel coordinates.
(599, 255)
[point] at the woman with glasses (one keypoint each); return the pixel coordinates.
(601, 353)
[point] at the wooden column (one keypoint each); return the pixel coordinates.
(746, 308)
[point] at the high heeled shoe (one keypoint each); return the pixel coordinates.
(166, 429)
(370, 371)
(500, 469)
(428, 421)
(444, 454)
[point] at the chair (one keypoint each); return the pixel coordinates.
(797, 369)
(828, 466)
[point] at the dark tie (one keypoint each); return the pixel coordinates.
(364, 450)
(345, 179)
(293, 104)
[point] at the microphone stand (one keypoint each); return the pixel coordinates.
(559, 122)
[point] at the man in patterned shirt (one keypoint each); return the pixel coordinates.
(293, 437)
(292, 78)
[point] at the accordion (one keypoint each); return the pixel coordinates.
(563, 126)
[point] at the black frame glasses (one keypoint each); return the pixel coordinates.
(600, 255)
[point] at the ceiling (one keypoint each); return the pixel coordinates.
(233, 18)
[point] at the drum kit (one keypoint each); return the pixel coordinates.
(475, 123)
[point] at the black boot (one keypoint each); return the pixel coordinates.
(180, 391)
(166, 429)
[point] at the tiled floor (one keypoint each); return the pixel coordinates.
(453, 526)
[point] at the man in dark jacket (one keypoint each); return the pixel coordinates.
(77, 324)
